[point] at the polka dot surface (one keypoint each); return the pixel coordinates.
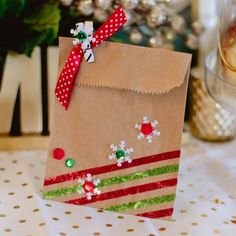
(198, 211)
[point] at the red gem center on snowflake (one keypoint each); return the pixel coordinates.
(88, 187)
(147, 129)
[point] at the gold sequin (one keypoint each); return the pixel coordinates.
(204, 215)
(96, 233)
(183, 211)
(55, 218)
(36, 210)
(108, 225)
(88, 217)
(233, 221)
(195, 223)
(130, 230)
(22, 221)
(100, 211)
(42, 224)
(162, 229)
(16, 207)
(11, 193)
(67, 212)
(2, 215)
(75, 226)
(120, 217)
(62, 234)
(141, 221)
(183, 233)
(7, 230)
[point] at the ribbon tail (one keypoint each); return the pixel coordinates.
(66, 80)
(110, 26)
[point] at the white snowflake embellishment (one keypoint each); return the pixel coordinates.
(121, 153)
(147, 129)
(89, 186)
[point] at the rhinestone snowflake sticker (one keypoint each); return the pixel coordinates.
(147, 129)
(89, 186)
(121, 153)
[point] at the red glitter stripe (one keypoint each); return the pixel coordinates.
(157, 214)
(123, 192)
(112, 167)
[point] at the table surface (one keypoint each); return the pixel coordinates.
(205, 202)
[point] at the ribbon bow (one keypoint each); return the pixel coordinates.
(66, 80)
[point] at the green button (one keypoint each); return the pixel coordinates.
(120, 154)
(70, 163)
(82, 36)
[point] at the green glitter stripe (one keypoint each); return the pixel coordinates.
(139, 175)
(61, 192)
(141, 204)
(113, 180)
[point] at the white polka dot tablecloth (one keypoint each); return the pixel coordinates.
(205, 201)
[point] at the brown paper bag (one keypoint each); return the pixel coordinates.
(117, 147)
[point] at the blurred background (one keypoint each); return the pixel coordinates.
(29, 58)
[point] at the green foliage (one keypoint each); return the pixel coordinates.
(26, 24)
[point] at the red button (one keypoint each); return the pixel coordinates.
(88, 187)
(146, 129)
(58, 153)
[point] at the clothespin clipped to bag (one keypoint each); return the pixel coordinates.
(84, 34)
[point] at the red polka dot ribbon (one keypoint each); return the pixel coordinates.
(65, 82)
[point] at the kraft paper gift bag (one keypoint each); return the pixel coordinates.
(117, 146)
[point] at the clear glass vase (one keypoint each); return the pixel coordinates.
(220, 64)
